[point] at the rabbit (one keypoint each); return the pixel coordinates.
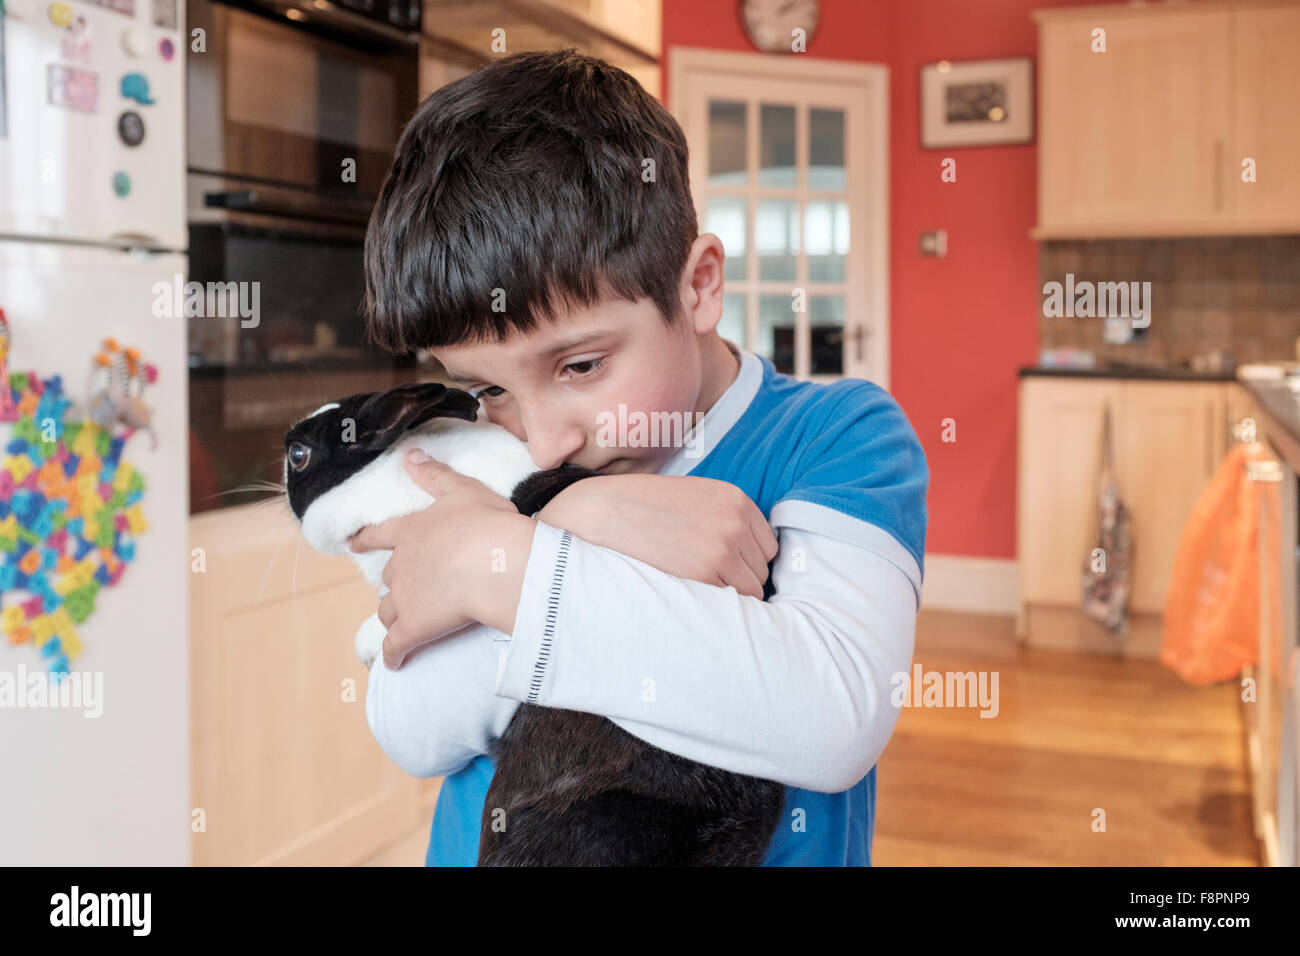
(577, 789)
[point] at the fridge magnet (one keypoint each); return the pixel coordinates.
(977, 103)
(76, 41)
(75, 89)
(5, 404)
(116, 394)
(164, 14)
(70, 513)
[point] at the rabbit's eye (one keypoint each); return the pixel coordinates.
(298, 456)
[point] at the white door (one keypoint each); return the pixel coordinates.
(789, 167)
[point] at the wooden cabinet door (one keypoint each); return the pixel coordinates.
(1132, 141)
(1169, 453)
(1060, 456)
(285, 768)
(1267, 118)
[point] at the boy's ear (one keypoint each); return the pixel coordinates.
(386, 416)
(702, 282)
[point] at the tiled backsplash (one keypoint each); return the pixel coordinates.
(1237, 294)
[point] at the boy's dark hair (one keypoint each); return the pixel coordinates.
(527, 176)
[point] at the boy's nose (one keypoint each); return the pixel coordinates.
(551, 447)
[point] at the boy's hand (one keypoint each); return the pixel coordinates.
(696, 528)
(446, 571)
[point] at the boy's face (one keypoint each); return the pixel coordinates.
(553, 386)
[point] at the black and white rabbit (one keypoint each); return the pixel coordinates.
(576, 788)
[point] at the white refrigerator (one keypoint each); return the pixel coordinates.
(92, 232)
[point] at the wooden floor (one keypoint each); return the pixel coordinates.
(409, 850)
(1074, 733)
(1164, 760)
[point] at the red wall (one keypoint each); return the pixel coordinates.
(961, 326)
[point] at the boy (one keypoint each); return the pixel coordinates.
(517, 239)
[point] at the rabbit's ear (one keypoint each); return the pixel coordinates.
(386, 416)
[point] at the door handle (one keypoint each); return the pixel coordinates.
(857, 336)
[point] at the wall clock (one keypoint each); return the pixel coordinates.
(769, 24)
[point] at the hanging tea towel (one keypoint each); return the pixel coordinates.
(1106, 572)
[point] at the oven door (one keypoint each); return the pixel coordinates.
(280, 331)
(273, 102)
(286, 269)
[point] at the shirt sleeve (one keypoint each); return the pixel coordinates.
(794, 689)
(862, 460)
(439, 710)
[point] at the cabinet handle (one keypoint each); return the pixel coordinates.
(1218, 174)
(1209, 446)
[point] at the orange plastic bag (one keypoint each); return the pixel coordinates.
(1211, 620)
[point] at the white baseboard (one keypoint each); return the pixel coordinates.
(984, 585)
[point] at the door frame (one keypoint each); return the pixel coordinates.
(684, 63)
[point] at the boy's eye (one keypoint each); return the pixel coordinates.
(576, 369)
(585, 368)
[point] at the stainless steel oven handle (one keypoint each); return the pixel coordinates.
(248, 200)
(231, 199)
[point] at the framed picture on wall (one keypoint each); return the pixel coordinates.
(977, 103)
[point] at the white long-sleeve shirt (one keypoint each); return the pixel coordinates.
(794, 689)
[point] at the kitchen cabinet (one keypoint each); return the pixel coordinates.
(624, 32)
(1148, 137)
(440, 66)
(285, 769)
(1132, 136)
(1266, 123)
(1167, 441)
(1169, 435)
(1060, 455)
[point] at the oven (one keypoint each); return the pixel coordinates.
(293, 113)
(282, 95)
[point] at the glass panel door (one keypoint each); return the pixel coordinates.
(780, 178)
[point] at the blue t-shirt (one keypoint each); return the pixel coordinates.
(846, 446)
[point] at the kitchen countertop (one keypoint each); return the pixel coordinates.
(1282, 411)
(1274, 396)
(1129, 372)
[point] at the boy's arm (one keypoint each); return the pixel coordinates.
(797, 688)
(794, 689)
(440, 710)
(436, 713)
